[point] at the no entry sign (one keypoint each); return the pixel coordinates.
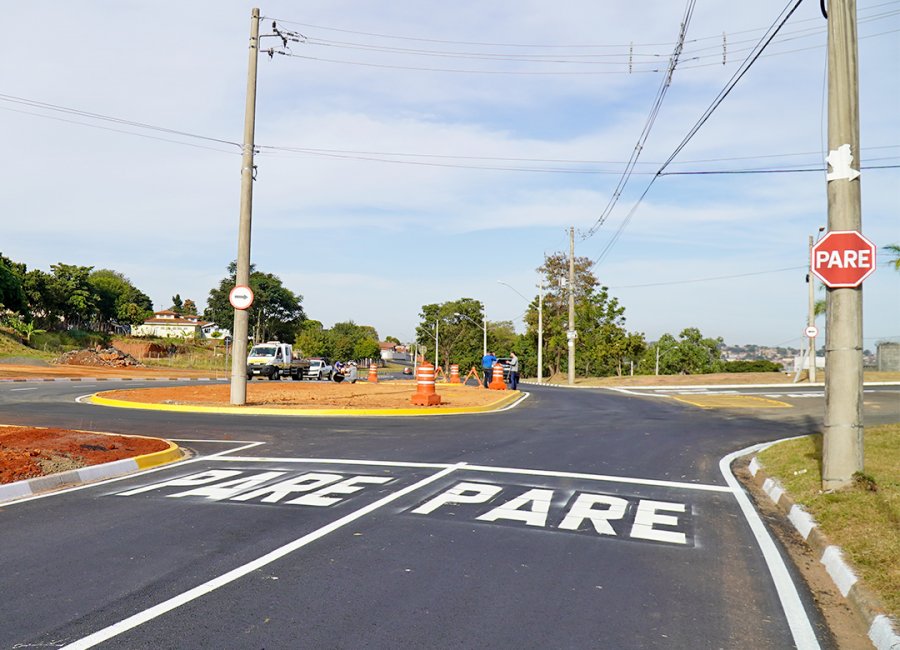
(843, 258)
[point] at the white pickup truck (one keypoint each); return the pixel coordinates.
(275, 360)
(319, 369)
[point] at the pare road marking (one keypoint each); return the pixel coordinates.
(599, 515)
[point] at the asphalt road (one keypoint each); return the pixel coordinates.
(581, 518)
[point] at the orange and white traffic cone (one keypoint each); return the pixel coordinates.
(425, 395)
(454, 373)
(497, 382)
(373, 374)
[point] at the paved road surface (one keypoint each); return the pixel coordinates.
(579, 519)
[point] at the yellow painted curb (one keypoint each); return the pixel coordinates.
(169, 455)
(505, 400)
(731, 402)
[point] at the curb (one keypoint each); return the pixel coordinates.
(43, 379)
(34, 486)
(705, 386)
(863, 603)
(505, 401)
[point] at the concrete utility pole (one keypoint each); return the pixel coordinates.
(811, 315)
(241, 316)
(571, 333)
(842, 453)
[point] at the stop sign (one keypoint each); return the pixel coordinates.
(843, 258)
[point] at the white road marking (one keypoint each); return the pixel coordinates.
(486, 468)
(201, 590)
(13, 390)
(797, 619)
(145, 472)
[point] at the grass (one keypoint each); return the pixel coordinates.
(11, 347)
(863, 521)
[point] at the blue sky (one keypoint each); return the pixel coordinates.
(365, 239)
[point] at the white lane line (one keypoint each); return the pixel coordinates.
(13, 390)
(487, 468)
(335, 461)
(797, 619)
(599, 477)
(201, 590)
(151, 470)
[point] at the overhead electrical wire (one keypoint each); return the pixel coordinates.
(648, 124)
(780, 21)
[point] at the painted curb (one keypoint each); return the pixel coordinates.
(34, 486)
(505, 401)
(42, 379)
(882, 632)
(705, 386)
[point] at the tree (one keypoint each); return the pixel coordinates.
(71, 291)
(177, 304)
(392, 339)
(894, 251)
(603, 343)
(12, 277)
(311, 340)
(690, 354)
(189, 308)
(118, 300)
(276, 313)
(459, 333)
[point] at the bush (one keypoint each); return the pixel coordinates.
(757, 365)
(68, 340)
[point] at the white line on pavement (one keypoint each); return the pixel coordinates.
(201, 590)
(797, 619)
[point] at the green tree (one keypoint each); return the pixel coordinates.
(189, 308)
(118, 300)
(72, 294)
(177, 304)
(311, 340)
(603, 343)
(460, 333)
(392, 339)
(894, 251)
(276, 313)
(12, 292)
(690, 354)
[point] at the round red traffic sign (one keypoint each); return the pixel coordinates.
(812, 331)
(241, 297)
(843, 258)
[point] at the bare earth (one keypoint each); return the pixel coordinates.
(314, 395)
(29, 452)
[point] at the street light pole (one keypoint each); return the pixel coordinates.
(540, 359)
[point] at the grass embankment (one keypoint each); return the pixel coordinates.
(865, 520)
(10, 346)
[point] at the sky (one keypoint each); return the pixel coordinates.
(417, 151)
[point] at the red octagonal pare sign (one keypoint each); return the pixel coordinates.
(843, 258)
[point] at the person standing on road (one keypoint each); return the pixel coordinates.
(513, 366)
(487, 365)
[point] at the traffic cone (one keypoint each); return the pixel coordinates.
(454, 373)
(373, 373)
(497, 382)
(425, 395)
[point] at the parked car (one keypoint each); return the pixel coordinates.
(319, 369)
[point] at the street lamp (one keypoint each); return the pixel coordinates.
(483, 327)
(540, 350)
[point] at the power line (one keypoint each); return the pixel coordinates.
(648, 125)
(785, 15)
(710, 279)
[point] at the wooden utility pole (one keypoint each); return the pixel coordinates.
(571, 334)
(241, 316)
(842, 452)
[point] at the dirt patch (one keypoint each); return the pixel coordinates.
(29, 452)
(109, 357)
(318, 395)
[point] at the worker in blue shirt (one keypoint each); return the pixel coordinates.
(487, 364)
